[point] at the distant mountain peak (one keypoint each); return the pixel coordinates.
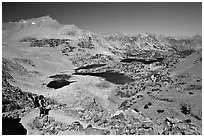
(197, 37)
(44, 26)
(44, 19)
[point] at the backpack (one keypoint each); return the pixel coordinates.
(42, 103)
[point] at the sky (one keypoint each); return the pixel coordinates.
(170, 19)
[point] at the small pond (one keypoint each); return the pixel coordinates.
(129, 60)
(91, 66)
(113, 77)
(12, 127)
(58, 83)
(60, 76)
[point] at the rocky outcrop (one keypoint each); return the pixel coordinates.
(47, 125)
(45, 42)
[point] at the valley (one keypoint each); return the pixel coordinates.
(113, 84)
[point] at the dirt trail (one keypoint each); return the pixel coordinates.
(61, 116)
(58, 115)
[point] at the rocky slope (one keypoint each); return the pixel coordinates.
(157, 88)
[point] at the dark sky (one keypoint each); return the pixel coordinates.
(159, 18)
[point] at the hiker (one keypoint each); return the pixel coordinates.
(42, 108)
(36, 102)
(94, 101)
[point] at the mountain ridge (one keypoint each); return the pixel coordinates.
(46, 20)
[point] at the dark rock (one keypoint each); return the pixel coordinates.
(146, 106)
(160, 111)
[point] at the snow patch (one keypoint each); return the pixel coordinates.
(24, 21)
